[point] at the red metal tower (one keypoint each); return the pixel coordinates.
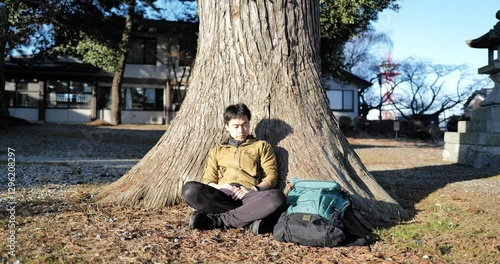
(386, 80)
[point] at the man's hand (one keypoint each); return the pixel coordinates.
(237, 193)
(241, 192)
(226, 188)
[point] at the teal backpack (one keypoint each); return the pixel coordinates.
(316, 197)
(314, 216)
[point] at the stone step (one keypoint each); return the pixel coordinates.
(492, 126)
(491, 112)
(473, 155)
(473, 138)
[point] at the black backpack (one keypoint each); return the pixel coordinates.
(314, 216)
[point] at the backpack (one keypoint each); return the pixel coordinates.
(314, 216)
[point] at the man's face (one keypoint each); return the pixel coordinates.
(238, 128)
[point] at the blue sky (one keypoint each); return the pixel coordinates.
(437, 30)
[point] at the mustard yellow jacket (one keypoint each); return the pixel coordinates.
(248, 164)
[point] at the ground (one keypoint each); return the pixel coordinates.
(50, 217)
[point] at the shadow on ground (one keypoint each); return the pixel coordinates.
(410, 170)
(410, 186)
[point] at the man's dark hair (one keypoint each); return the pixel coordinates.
(236, 111)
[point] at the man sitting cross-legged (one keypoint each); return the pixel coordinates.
(238, 186)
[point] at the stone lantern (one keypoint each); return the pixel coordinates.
(477, 142)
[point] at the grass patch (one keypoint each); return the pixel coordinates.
(414, 236)
(446, 230)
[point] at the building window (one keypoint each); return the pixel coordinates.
(187, 50)
(22, 93)
(137, 98)
(142, 51)
(68, 94)
(103, 97)
(341, 100)
(178, 95)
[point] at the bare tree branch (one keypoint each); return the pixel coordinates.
(423, 88)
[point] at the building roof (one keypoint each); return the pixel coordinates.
(61, 68)
(488, 40)
(166, 26)
(345, 76)
(29, 67)
(480, 94)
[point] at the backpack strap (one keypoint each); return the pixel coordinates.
(363, 239)
(354, 215)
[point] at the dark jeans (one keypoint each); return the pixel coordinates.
(266, 205)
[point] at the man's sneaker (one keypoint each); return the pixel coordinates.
(257, 227)
(204, 221)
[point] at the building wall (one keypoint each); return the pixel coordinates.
(333, 84)
(166, 67)
(67, 115)
(53, 115)
(146, 71)
(135, 117)
(136, 76)
(30, 114)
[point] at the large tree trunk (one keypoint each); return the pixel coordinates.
(115, 113)
(264, 54)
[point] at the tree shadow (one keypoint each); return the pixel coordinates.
(47, 206)
(273, 131)
(364, 146)
(410, 186)
(413, 144)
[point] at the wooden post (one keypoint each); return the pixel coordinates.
(42, 100)
(93, 103)
(167, 102)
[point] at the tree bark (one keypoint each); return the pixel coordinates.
(115, 113)
(264, 54)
